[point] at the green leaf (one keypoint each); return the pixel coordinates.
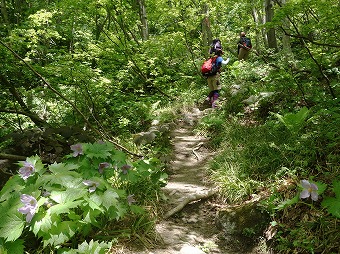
(10, 205)
(16, 247)
(109, 199)
(61, 233)
(57, 168)
(14, 184)
(294, 122)
(321, 187)
(64, 207)
(94, 247)
(287, 203)
(42, 224)
(11, 227)
(332, 205)
(137, 209)
(95, 201)
(68, 195)
(98, 150)
(336, 188)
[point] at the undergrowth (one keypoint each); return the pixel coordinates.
(284, 149)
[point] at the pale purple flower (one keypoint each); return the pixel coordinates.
(77, 149)
(27, 170)
(30, 206)
(102, 166)
(125, 168)
(92, 185)
(309, 190)
(131, 199)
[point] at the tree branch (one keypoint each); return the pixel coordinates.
(67, 100)
(309, 39)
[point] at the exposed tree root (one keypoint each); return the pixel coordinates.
(188, 200)
(197, 148)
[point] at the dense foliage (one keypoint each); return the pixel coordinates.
(78, 72)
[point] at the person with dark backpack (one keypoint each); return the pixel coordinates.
(213, 68)
(216, 44)
(243, 46)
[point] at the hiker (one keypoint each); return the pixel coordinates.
(243, 47)
(216, 44)
(214, 83)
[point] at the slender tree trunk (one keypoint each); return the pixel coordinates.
(271, 36)
(4, 12)
(206, 31)
(143, 19)
(257, 21)
(285, 38)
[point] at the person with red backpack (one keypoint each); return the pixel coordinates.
(243, 47)
(213, 77)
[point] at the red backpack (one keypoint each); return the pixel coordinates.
(209, 67)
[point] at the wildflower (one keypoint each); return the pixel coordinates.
(77, 149)
(30, 206)
(131, 199)
(125, 169)
(48, 204)
(27, 170)
(92, 185)
(309, 190)
(102, 166)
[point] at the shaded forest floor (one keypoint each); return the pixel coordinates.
(193, 229)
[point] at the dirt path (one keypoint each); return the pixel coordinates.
(192, 230)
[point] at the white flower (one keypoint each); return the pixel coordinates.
(309, 190)
(92, 185)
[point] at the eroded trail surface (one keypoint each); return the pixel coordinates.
(191, 229)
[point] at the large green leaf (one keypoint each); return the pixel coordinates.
(64, 207)
(11, 227)
(43, 224)
(61, 233)
(98, 150)
(294, 122)
(57, 168)
(94, 247)
(109, 199)
(332, 205)
(14, 184)
(16, 247)
(68, 195)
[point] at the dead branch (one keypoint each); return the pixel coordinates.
(4, 156)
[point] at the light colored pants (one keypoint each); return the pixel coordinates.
(214, 82)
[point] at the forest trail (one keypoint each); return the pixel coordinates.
(191, 230)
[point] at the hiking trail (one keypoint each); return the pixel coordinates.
(188, 224)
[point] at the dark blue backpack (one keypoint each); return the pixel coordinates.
(216, 44)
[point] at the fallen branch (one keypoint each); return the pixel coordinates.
(14, 157)
(188, 200)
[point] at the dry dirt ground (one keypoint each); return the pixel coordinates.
(193, 229)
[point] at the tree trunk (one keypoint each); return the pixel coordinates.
(143, 19)
(257, 21)
(206, 31)
(271, 37)
(4, 12)
(285, 38)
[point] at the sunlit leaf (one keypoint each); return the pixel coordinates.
(11, 227)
